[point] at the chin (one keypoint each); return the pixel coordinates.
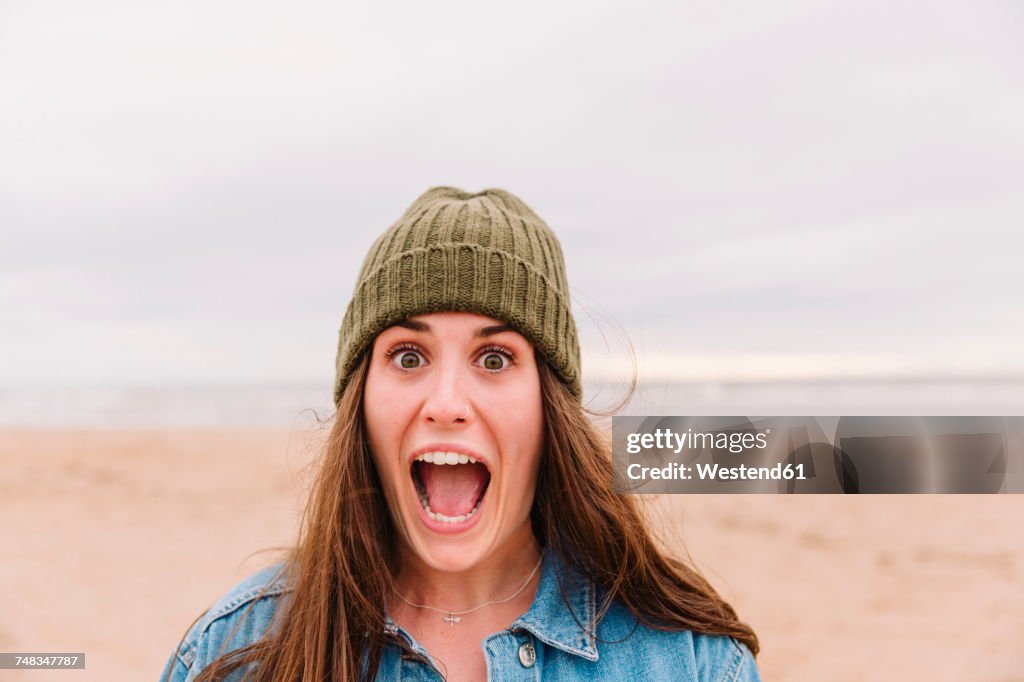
(447, 548)
(453, 555)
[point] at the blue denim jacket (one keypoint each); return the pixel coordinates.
(546, 642)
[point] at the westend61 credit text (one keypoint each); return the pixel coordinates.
(734, 442)
(711, 472)
(798, 455)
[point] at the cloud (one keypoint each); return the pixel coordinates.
(799, 179)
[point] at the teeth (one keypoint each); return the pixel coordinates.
(451, 519)
(443, 517)
(446, 458)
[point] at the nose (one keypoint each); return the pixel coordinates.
(447, 402)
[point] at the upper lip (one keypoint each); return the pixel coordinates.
(450, 447)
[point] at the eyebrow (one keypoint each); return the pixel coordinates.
(482, 332)
(414, 325)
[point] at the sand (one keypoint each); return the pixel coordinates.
(113, 541)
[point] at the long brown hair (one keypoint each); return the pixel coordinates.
(331, 624)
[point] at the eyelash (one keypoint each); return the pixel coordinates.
(501, 350)
(400, 347)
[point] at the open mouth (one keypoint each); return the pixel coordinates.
(451, 485)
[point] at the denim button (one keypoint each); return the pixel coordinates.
(527, 655)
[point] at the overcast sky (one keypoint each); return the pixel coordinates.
(745, 190)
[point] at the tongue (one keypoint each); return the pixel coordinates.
(453, 490)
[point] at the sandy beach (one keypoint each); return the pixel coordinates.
(114, 541)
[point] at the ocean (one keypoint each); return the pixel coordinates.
(300, 406)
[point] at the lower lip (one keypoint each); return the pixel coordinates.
(450, 528)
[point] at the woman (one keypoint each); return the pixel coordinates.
(463, 524)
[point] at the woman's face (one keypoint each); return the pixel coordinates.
(453, 411)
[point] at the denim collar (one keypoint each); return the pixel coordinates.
(549, 619)
(571, 627)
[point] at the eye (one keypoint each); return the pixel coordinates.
(405, 356)
(409, 359)
(496, 358)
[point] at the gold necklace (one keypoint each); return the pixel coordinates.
(453, 617)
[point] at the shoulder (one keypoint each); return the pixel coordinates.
(723, 658)
(680, 654)
(239, 617)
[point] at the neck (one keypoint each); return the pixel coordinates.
(496, 577)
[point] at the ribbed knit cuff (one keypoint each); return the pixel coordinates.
(487, 281)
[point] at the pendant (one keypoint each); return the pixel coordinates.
(451, 619)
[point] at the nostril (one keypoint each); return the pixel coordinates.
(446, 415)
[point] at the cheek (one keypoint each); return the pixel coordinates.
(382, 409)
(383, 432)
(528, 433)
(535, 424)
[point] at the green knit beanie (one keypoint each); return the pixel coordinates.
(485, 253)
